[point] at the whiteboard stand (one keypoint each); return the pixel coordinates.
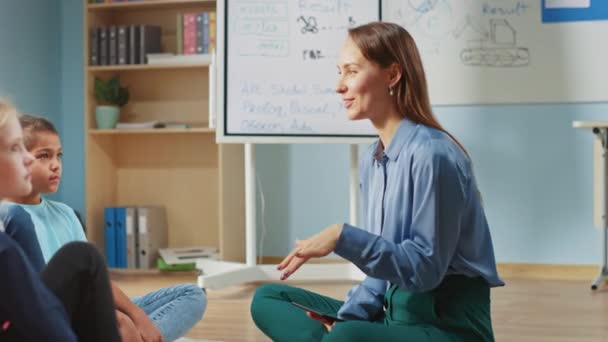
(221, 274)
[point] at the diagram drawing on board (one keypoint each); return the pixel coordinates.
(483, 33)
(498, 49)
(310, 24)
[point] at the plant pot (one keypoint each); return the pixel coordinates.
(106, 117)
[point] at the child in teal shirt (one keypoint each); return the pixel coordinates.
(168, 312)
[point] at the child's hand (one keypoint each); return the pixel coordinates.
(149, 331)
(327, 322)
(126, 328)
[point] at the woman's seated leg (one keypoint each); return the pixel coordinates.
(274, 314)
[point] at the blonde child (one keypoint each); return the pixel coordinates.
(168, 313)
(71, 299)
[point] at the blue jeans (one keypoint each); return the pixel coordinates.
(175, 309)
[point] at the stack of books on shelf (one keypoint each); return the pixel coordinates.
(124, 44)
(196, 33)
(195, 41)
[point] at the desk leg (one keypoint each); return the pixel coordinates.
(602, 134)
(604, 270)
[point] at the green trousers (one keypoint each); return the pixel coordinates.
(457, 310)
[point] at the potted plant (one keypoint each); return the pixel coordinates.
(110, 96)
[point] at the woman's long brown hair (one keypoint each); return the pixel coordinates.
(387, 43)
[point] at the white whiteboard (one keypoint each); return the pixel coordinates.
(279, 60)
(499, 51)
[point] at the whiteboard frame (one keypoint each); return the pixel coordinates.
(220, 104)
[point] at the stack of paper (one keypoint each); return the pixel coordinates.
(171, 59)
(188, 254)
(138, 125)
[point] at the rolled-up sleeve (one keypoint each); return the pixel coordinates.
(364, 301)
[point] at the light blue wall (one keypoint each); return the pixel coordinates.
(534, 170)
(29, 56)
(535, 173)
(72, 104)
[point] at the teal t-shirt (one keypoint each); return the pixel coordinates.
(56, 224)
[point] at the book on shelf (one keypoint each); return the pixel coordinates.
(189, 33)
(112, 45)
(124, 44)
(103, 57)
(149, 41)
(94, 47)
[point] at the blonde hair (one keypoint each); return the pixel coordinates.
(7, 110)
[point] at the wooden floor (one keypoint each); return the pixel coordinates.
(531, 310)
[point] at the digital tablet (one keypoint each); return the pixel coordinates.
(318, 313)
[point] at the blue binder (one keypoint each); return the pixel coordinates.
(110, 237)
(120, 214)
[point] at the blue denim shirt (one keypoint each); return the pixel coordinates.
(422, 219)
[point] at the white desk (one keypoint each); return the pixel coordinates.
(600, 129)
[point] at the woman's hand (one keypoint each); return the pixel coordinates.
(316, 246)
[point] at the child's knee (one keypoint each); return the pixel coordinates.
(197, 297)
(82, 251)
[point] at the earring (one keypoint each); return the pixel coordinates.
(390, 91)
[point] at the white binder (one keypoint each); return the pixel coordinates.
(153, 234)
(131, 232)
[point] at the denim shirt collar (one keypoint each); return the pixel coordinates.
(402, 135)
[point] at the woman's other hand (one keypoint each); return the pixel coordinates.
(328, 323)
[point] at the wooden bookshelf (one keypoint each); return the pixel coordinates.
(200, 183)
